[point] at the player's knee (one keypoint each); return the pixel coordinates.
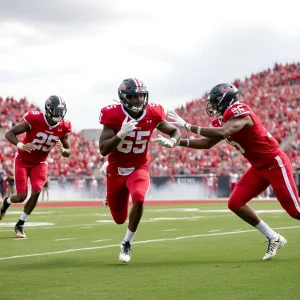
(294, 214)
(119, 216)
(119, 219)
(138, 197)
(233, 205)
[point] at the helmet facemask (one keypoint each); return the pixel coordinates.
(218, 103)
(128, 92)
(55, 108)
(56, 114)
(134, 105)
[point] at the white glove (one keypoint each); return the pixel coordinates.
(168, 143)
(178, 120)
(127, 127)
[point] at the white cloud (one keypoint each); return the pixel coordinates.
(179, 49)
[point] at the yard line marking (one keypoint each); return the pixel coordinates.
(100, 240)
(169, 229)
(215, 230)
(65, 239)
(28, 224)
(141, 242)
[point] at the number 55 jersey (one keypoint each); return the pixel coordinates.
(43, 135)
(255, 143)
(132, 151)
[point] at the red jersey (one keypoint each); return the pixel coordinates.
(43, 135)
(132, 151)
(255, 143)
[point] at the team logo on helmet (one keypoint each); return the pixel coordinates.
(225, 90)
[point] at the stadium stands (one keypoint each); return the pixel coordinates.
(273, 94)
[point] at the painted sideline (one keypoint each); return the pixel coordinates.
(141, 242)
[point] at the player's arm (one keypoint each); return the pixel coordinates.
(12, 134)
(64, 146)
(202, 143)
(108, 140)
(172, 131)
(231, 127)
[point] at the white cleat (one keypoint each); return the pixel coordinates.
(273, 246)
(125, 254)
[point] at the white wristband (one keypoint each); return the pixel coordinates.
(187, 126)
(174, 140)
(20, 145)
(121, 134)
(199, 129)
(187, 142)
(62, 150)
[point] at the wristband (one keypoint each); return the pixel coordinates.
(174, 140)
(187, 126)
(199, 130)
(62, 150)
(121, 134)
(187, 142)
(20, 145)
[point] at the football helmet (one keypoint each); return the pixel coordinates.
(55, 108)
(220, 97)
(130, 87)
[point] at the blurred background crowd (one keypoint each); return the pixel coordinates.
(273, 94)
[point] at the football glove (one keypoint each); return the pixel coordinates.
(127, 127)
(165, 142)
(178, 121)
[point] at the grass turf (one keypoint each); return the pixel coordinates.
(180, 252)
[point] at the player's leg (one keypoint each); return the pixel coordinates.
(138, 185)
(117, 196)
(284, 186)
(21, 175)
(249, 186)
(38, 176)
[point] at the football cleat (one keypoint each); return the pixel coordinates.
(3, 208)
(105, 202)
(125, 254)
(273, 246)
(19, 231)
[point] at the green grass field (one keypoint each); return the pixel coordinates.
(180, 252)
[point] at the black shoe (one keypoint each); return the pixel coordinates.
(4, 206)
(19, 231)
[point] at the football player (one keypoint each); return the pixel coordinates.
(241, 127)
(127, 128)
(42, 132)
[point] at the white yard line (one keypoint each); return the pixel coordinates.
(65, 239)
(140, 242)
(96, 241)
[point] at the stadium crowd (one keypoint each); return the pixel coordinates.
(273, 94)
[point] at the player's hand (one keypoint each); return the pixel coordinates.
(178, 120)
(60, 146)
(127, 127)
(165, 142)
(29, 147)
